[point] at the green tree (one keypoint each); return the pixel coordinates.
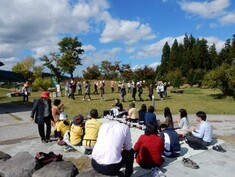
(51, 63)
(163, 68)
(91, 72)
(70, 49)
(222, 78)
(146, 73)
(175, 78)
(25, 67)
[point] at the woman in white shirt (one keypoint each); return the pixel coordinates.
(183, 123)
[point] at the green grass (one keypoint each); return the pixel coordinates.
(193, 100)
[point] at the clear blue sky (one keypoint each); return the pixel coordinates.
(130, 31)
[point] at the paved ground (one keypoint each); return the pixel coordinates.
(19, 134)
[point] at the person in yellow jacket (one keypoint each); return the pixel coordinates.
(63, 126)
(76, 130)
(92, 127)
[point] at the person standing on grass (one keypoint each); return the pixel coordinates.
(41, 114)
(87, 91)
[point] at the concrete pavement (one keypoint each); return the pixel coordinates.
(19, 134)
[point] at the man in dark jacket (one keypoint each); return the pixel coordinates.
(41, 114)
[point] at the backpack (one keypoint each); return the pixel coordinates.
(43, 159)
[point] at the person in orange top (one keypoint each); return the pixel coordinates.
(56, 109)
(149, 148)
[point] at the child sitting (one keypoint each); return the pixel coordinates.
(76, 130)
(62, 127)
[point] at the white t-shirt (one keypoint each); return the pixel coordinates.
(112, 138)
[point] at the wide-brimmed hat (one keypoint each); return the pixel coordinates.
(63, 116)
(78, 119)
(45, 94)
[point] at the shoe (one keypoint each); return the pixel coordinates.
(218, 148)
(189, 163)
(88, 151)
(48, 140)
(156, 172)
(68, 149)
(43, 141)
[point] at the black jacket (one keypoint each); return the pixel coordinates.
(37, 112)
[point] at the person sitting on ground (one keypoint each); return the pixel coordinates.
(171, 141)
(200, 138)
(62, 127)
(56, 109)
(133, 115)
(168, 117)
(142, 112)
(149, 148)
(113, 150)
(183, 122)
(92, 127)
(77, 130)
(150, 117)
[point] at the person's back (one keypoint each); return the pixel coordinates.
(149, 148)
(92, 127)
(113, 150)
(171, 141)
(76, 130)
(149, 116)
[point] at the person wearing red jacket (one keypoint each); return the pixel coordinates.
(149, 148)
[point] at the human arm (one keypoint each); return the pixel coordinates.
(127, 143)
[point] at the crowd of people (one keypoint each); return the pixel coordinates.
(135, 89)
(158, 141)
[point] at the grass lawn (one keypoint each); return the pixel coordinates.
(193, 100)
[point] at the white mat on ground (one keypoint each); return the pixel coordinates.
(186, 151)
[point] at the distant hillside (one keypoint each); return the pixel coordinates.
(9, 76)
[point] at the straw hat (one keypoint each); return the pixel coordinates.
(45, 94)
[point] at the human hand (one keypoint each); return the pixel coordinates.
(32, 119)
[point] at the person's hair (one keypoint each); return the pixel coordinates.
(143, 108)
(151, 109)
(151, 128)
(94, 113)
(183, 113)
(117, 100)
(78, 119)
(132, 105)
(56, 102)
(164, 126)
(167, 112)
(202, 115)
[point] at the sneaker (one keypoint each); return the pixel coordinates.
(218, 148)
(68, 149)
(156, 172)
(43, 141)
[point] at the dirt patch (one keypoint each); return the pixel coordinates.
(83, 164)
(229, 139)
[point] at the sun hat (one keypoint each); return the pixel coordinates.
(63, 116)
(45, 94)
(78, 119)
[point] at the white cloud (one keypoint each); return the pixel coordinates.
(124, 30)
(227, 19)
(88, 48)
(205, 9)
